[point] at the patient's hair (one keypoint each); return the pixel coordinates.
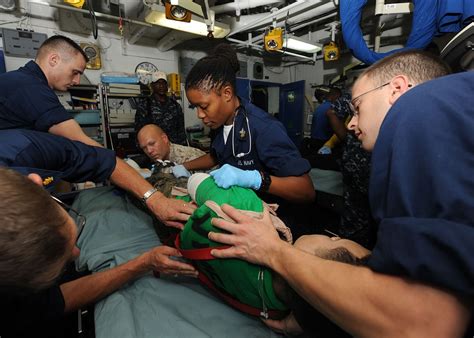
(60, 43)
(419, 66)
(215, 70)
(343, 255)
(32, 236)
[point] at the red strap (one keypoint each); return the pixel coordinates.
(273, 314)
(205, 254)
(197, 254)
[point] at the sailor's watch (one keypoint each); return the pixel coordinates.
(148, 194)
(266, 181)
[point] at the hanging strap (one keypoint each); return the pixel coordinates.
(205, 254)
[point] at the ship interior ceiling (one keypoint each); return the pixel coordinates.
(288, 51)
(247, 20)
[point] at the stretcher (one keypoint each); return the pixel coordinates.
(117, 231)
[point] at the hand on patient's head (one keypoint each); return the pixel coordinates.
(253, 240)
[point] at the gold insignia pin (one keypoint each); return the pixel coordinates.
(242, 133)
(48, 180)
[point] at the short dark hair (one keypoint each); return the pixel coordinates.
(341, 254)
(60, 43)
(33, 239)
(321, 93)
(418, 65)
(215, 70)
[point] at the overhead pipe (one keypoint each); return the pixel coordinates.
(97, 14)
(321, 18)
(259, 38)
(268, 17)
(293, 9)
(255, 42)
(315, 12)
(314, 21)
(237, 5)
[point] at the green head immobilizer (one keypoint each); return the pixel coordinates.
(246, 286)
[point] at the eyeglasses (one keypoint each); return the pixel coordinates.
(354, 110)
(79, 219)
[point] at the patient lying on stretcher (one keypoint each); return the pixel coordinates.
(253, 289)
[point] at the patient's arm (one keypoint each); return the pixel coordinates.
(293, 188)
(204, 162)
(86, 290)
(361, 301)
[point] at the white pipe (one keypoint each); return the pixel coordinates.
(244, 20)
(271, 16)
(378, 35)
(238, 5)
(314, 12)
(97, 14)
(379, 6)
(304, 11)
(247, 20)
(314, 21)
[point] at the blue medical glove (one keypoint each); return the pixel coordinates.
(324, 150)
(227, 176)
(180, 171)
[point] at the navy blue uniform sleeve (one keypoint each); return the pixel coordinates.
(422, 186)
(32, 314)
(279, 154)
(38, 106)
(65, 159)
(430, 250)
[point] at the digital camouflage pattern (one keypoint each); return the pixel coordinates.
(180, 154)
(164, 183)
(356, 220)
(168, 116)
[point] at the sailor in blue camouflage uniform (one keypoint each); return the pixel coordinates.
(162, 110)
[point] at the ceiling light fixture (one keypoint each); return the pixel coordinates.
(301, 45)
(331, 50)
(197, 25)
(273, 39)
(178, 13)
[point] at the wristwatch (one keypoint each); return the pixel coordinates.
(266, 181)
(148, 194)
